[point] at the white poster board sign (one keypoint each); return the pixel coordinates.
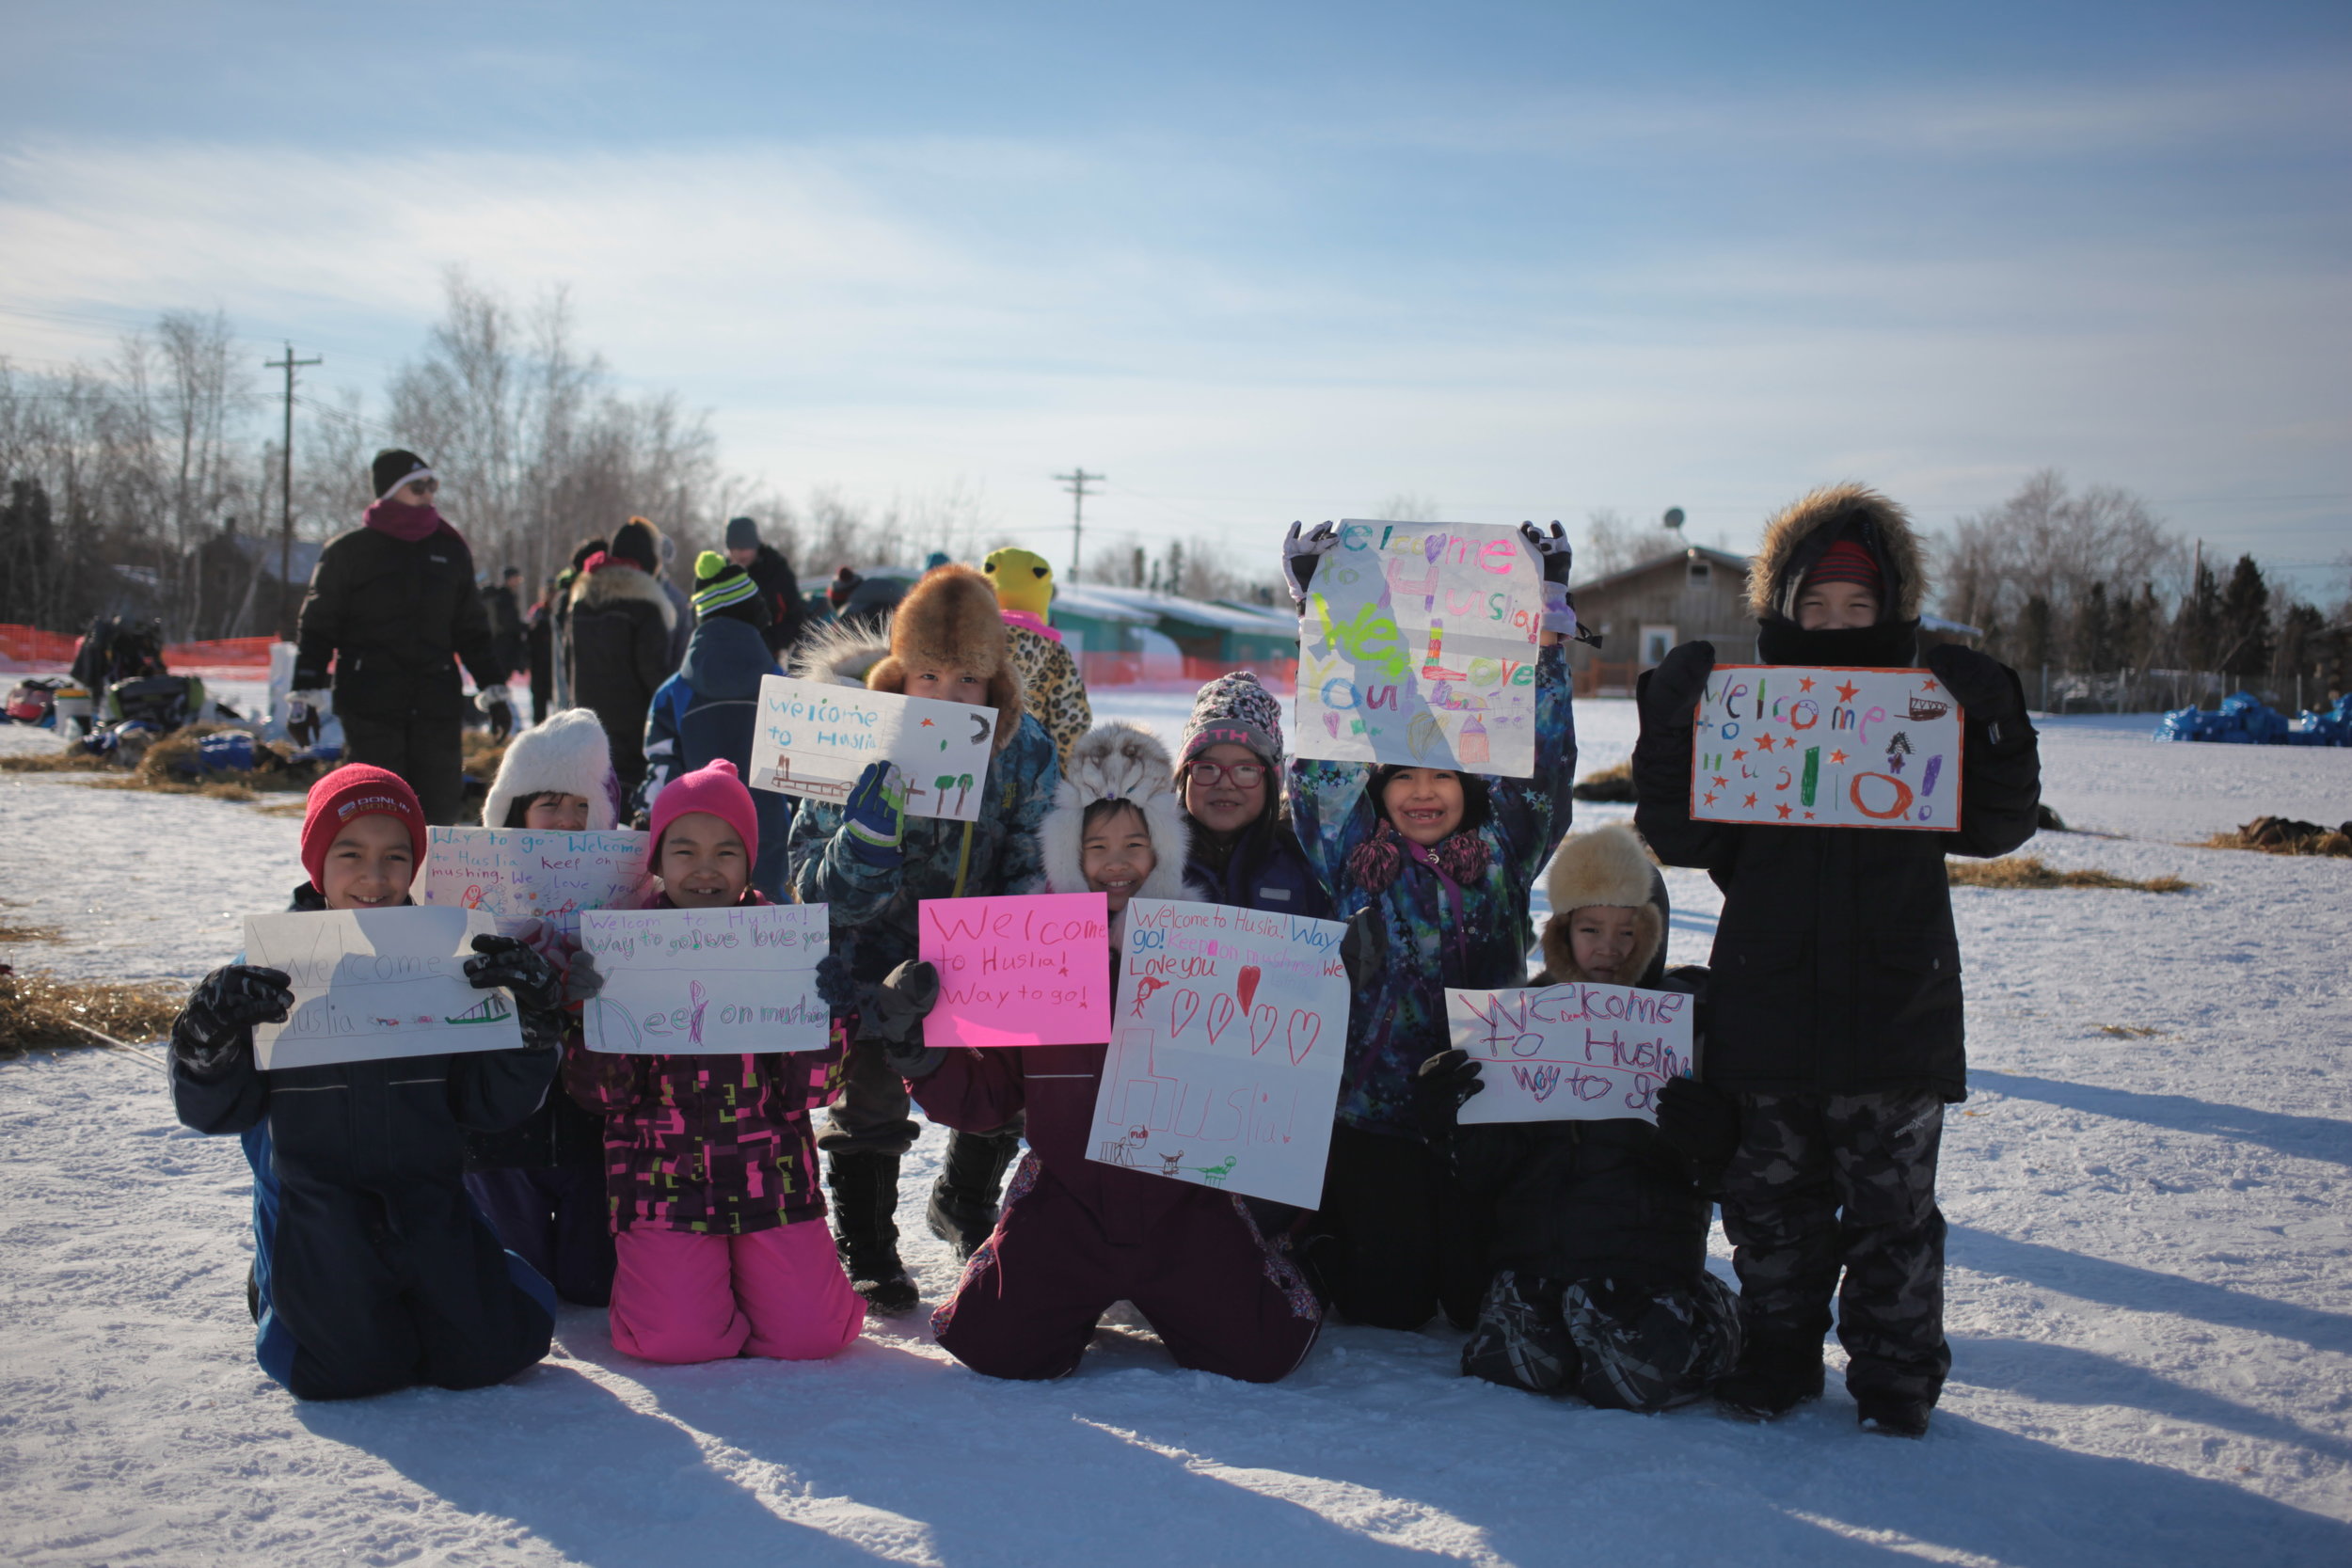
(1576, 1052)
(374, 984)
(815, 739)
(1227, 1035)
(737, 981)
(523, 874)
(1418, 647)
(1828, 748)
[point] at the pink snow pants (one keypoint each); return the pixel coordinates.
(680, 1297)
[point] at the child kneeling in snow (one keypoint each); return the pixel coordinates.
(540, 1185)
(710, 1165)
(372, 1270)
(1601, 1286)
(1075, 1236)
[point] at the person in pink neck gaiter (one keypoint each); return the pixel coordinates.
(391, 609)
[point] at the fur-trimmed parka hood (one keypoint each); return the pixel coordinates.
(614, 583)
(1606, 867)
(565, 751)
(1798, 535)
(842, 653)
(1117, 761)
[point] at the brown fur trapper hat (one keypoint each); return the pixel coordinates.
(1607, 866)
(951, 618)
(1797, 538)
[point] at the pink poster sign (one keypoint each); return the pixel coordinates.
(1018, 971)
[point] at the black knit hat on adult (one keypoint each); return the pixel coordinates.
(639, 543)
(395, 466)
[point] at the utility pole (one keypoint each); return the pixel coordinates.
(285, 480)
(1075, 482)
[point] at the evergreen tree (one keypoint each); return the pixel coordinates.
(2245, 628)
(2201, 622)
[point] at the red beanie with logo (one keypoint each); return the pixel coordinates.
(348, 794)
(717, 789)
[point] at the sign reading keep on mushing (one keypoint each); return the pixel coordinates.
(1795, 746)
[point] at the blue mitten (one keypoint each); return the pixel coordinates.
(874, 817)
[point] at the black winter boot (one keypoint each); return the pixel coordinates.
(1778, 1371)
(1892, 1414)
(865, 1191)
(962, 1210)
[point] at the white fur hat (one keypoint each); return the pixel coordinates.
(1607, 866)
(568, 751)
(1117, 761)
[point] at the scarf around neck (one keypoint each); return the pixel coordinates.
(1377, 863)
(407, 524)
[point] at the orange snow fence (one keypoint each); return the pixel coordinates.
(30, 648)
(1175, 671)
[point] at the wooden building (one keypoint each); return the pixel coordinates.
(1646, 609)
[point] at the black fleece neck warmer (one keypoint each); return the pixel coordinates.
(1887, 645)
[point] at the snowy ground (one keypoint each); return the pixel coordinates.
(2151, 1256)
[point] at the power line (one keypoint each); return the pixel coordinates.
(1076, 482)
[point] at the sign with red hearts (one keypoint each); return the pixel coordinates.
(1228, 1031)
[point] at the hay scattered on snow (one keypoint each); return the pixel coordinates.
(2028, 871)
(39, 1010)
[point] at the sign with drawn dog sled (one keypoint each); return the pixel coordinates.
(1792, 746)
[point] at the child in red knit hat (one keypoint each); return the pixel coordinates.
(371, 1269)
(710, 1164)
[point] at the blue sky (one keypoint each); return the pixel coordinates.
(1263, 262)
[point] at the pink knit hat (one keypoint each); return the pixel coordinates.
(717, 789)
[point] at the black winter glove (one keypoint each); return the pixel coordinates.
(902, 1002)
(1441, 1088)
(1670, 692)
(218, 1020)
(582, 979)
(514, 965)
(1981, 684)
(1698, 1122)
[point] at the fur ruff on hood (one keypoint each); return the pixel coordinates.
(842, 653)
(565, 751)
(1796, 538)
(617, 581)
(1606, 867)
(1117, 761)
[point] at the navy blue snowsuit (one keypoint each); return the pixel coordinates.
(707, 710)
(372, 1268)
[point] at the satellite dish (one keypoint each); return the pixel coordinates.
(1674, 517)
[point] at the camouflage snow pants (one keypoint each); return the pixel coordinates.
(1825, 1183)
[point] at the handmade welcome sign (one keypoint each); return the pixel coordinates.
(814, 739)
(374, 984)
(1830, 747)
(1224, 1065)
(1028, 971)
(1570, 1052)
(692, 982)
(546, 876)
(1418, 647)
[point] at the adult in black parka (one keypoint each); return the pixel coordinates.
(393, 606)
(1836, 1015)
(619, 642)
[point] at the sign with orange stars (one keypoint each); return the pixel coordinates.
(1829, 747)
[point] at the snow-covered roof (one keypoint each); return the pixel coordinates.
(1142, 604)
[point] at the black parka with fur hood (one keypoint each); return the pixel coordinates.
(618, 645)
(1837, 967)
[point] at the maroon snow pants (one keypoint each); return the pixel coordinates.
(1221, 1299)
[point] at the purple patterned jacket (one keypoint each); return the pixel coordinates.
(715, 1144)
